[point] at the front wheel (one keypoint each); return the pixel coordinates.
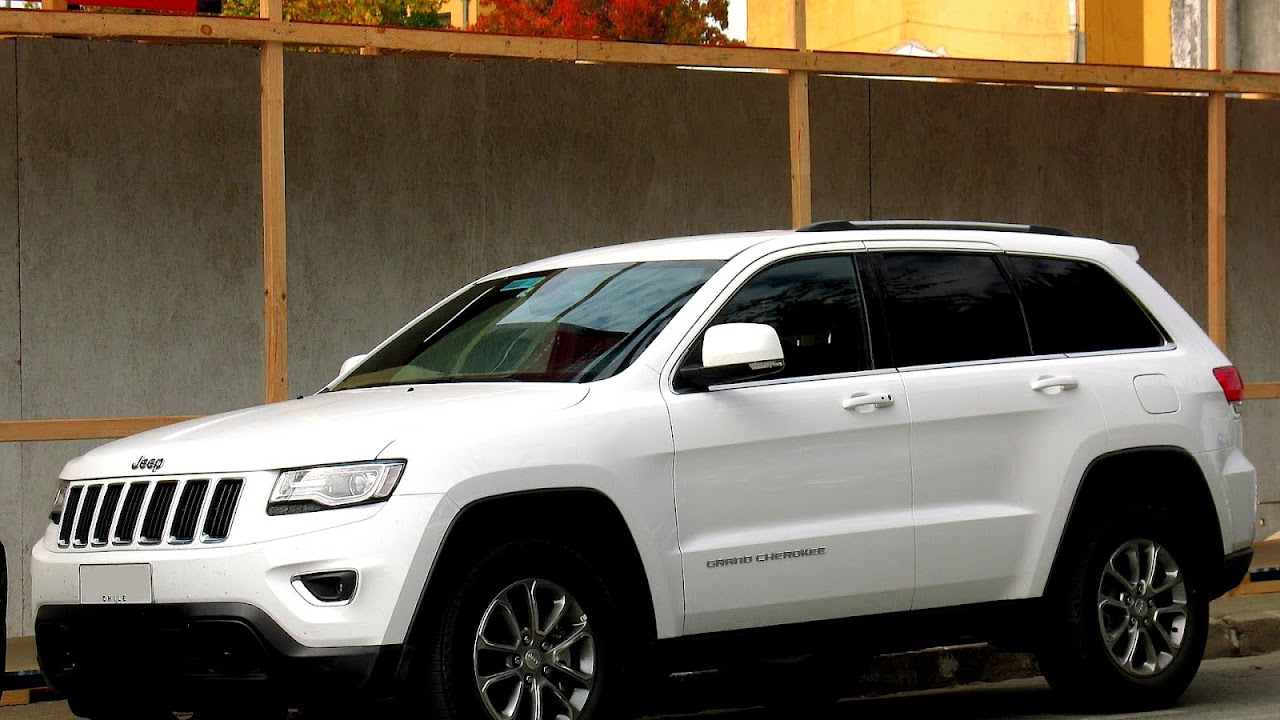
(1130, 623)
(532, 634)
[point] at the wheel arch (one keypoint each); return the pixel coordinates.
(607, 541)
(1118, 476)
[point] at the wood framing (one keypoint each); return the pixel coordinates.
(83, 429)
(798, 118)
(248, 31)
(1216, 217)
(1262, 391)
(274, 262)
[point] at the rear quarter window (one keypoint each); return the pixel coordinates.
(1074, 306)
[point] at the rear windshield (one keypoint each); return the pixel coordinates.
(570, 325)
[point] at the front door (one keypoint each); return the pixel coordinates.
(793, 494)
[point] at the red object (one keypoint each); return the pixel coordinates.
(186, 6)
(1231, 382)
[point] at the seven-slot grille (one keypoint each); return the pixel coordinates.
(149, 512)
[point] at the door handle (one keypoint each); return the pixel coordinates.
(866, 402)
(1053, 384)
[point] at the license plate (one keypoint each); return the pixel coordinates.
(115, 584)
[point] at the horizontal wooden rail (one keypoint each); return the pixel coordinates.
(252, 31)
(83, 429)
(1262, 391)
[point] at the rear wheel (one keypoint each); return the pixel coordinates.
(532, 634)
(1130, 621)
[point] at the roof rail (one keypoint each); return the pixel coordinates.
(835, 225)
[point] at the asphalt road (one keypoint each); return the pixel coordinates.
(1226, 689)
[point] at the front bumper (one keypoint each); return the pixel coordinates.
(256, 567)
(188, 656)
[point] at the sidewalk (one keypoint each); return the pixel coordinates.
(1247, 622)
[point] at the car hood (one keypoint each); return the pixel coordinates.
(332, 427)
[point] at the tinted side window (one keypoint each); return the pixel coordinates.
(950, 307)
(816, 307)
(1076, 306)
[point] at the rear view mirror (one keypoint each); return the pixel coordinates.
(736, 352)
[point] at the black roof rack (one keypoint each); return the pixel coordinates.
(835, 225)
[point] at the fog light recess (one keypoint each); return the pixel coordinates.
(334, 587)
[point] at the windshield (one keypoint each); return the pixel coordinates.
(571, 325)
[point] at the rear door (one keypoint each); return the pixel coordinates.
(996, 428)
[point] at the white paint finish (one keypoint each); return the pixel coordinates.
(338, 427)
(740, 344)
(933, 487)
(990, 456)
(777, 467)
(379, 545)
(1156, 394)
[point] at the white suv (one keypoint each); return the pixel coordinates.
(856, 436)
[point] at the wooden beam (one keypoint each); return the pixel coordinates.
(56, 5)
(1262, 391)
(798, 25)
(798, 117)
(83, 429)
(274, 260)
(1217, 218)
(1217, 178)
(1216, 35)
(801, 157)
(248, 31)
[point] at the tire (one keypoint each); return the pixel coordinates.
(1129, 621)
(488, 661)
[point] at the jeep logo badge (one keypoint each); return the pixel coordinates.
(144, 464)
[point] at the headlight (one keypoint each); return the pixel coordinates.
(59, 502)
(318, 488)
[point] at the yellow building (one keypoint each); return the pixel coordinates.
(462, 13)
(1121, 32)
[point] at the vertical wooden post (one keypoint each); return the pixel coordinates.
(798, 111)
(1217, 180)
(53, 5)
(275, 305)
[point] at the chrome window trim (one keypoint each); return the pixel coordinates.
(791, 380)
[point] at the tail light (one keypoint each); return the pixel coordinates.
(1231, 382)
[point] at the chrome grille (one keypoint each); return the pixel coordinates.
(188, 512)
(106, 513)
(157, 515)
(149, 512)
(222, 509)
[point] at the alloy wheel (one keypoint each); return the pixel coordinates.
(535, 654)
(1142, 607)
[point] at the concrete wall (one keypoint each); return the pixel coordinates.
(12, 516)
(408, 177)
(133, 206)
(1128, 168)
(140, 246)
(1253, 306)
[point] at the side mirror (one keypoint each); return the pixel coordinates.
(736, 352)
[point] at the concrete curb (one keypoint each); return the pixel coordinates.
(1253, 633)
